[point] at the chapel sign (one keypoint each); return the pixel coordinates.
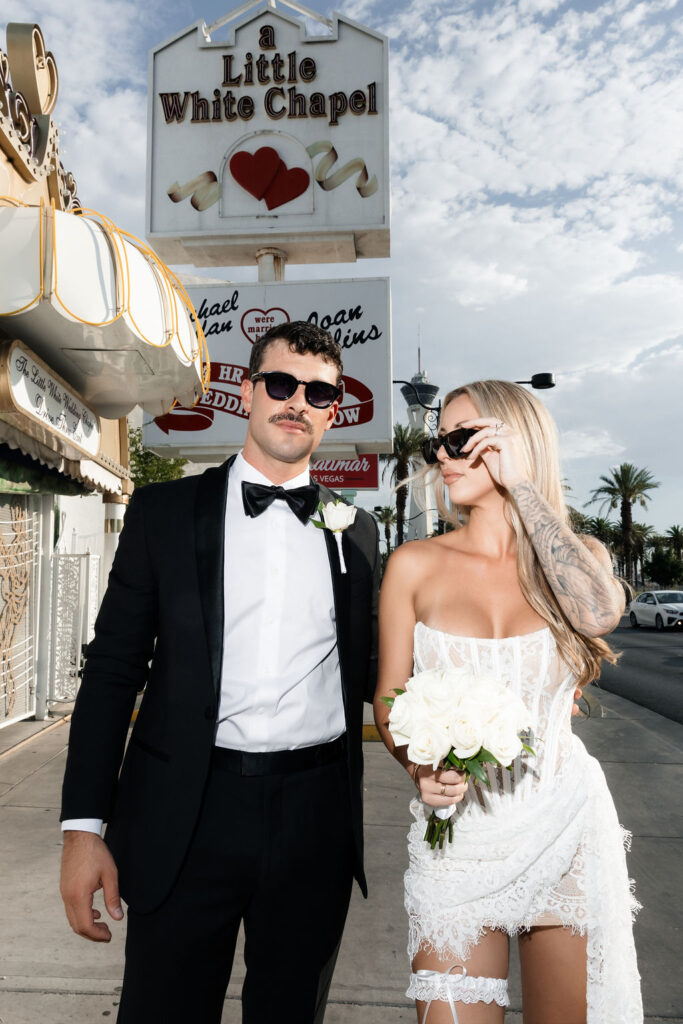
(270, 137)
(34, 398)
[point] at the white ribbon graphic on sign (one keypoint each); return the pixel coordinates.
(204, 189)
(365, 185)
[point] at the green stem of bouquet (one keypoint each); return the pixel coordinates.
(437, 829)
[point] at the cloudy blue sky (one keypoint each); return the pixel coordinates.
(537, 173)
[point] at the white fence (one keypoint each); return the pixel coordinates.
(75, 599)
(19, 557)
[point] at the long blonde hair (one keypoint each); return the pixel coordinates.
(523, 413)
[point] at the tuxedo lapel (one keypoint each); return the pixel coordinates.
(209, 524)
(339, 590)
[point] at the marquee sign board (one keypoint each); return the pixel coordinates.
(233, 316)
(272, 137)
(34, 398)
(359, 474)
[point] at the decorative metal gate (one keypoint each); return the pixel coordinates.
(19, 552)
(75, 599)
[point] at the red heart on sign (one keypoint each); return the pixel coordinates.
(255, 171)
(285, 186)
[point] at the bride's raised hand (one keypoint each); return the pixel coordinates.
(499, 447)
(439, 788)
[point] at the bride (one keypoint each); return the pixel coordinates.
(539, 854)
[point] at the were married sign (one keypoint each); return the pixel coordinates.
(356, 312)
(270, 135)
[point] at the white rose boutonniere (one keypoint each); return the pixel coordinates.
(336, 516)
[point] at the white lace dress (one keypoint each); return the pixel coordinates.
(542, 845)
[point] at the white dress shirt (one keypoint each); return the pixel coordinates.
(280, 680)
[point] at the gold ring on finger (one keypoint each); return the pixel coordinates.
(443, 790)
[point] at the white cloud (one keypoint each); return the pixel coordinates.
(106, 147)
(538, 163)
(635, 408)
(537, 156)
(577, 444)
(525, 107)
(539, 6)
(101, 109)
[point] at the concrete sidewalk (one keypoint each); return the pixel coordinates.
(49, 975)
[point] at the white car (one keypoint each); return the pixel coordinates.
(658, 608)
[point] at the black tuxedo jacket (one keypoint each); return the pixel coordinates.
(161, 627)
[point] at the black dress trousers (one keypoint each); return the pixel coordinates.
(274, 851)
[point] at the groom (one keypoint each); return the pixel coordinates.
(239, 798)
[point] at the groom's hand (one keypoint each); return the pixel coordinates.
(87, 866)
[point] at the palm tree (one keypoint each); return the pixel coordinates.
(642, 536)
(386, 516)
(403, 460)
(626, 486)
(674, 538)
(602, 529)
(577, 520)
(609, 534)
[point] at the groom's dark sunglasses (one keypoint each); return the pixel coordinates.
(453, 442)
(281, 386)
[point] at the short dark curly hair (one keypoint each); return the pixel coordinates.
(301, 337)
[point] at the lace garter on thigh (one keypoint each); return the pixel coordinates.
(445, 987)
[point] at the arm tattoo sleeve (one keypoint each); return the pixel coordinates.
(584, 589)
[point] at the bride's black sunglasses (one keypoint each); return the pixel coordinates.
(281, 386)
(453, 442)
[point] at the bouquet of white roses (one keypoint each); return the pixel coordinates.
(460, 719)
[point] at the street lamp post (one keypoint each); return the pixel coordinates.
(419, 394)
(540, 381)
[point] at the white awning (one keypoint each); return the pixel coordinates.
(86, 471)
(100, 308)
(99, 477)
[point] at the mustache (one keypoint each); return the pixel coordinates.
(305, 423)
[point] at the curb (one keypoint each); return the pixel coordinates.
(371, 733)
(39, 732)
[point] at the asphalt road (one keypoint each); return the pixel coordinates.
(650, 671)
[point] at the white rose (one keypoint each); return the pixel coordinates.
(509, 706)
(438, 694)
(497, 701)
(337, 515)
(421, 682)
(428, 744)
(402, 717)
(520, 714)
(501, 739)
(466, 732)
(462, 679)
(463, 671)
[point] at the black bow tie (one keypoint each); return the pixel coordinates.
(303, 501)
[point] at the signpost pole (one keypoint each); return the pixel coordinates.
(271, 264)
